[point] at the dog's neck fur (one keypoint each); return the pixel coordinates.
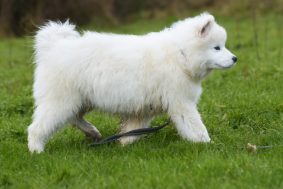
(199, 73)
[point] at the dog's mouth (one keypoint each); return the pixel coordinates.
(224, 67)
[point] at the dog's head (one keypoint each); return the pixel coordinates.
(212, 39)
(204, 45)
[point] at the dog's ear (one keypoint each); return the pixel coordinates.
(205, 27)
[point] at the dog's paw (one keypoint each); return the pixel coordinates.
(128, 140)
(94, 135)
(198, 136)
(204, 138)
(35, 147)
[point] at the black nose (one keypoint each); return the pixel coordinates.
(234, 59)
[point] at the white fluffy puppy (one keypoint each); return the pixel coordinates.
(136, 77)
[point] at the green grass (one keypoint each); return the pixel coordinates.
(240, 105)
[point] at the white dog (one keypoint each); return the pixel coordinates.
(137, 77)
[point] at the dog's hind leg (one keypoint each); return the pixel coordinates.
(48, 117)
(131, 123)
(86, 127)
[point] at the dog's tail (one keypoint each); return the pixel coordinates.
(51, 33)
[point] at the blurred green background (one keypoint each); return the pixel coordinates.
(21, 17)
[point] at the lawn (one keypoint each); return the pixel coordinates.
(240, 105)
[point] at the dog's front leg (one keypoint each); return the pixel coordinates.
(131, 123)
(188, 123)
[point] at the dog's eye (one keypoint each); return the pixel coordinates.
(217, 48)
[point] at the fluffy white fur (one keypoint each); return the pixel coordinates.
(137, 77)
